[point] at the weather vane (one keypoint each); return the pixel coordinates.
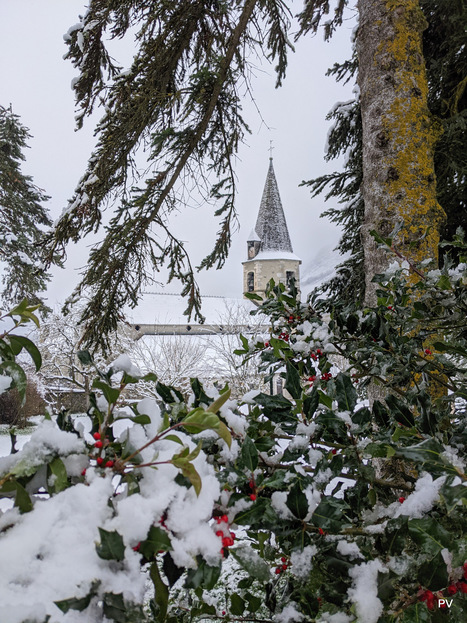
(270, 149)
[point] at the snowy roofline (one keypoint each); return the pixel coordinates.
(253, 237)
(274, 255)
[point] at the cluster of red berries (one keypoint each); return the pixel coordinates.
(452, 589)
(326, 376)
(227, 536)
(315, 356)
(428, 351)
(292, 318)
(284, 336)
(390, 307)
(100, 444)
(283, 567)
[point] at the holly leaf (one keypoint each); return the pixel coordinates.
(74, 603)
(111, 394)
(252, 562)
(292, 381)
(237, 605)
(249, 454)
(18, 375)
(156, 541)
(111, 546)
(203, 576)
(18, 342)
(346, 394)
(60, 480)
(400, 411)
(296, 502)
(161, 591)
(217, 404)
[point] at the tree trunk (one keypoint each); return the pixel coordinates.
(398, 135)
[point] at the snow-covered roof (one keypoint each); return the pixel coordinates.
(253, 236)
(271, 226)
(166, 308)
(275, 255)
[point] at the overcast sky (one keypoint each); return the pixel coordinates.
(36, 80)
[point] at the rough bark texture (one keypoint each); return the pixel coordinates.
(398, 134)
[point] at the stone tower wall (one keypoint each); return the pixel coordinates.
(265, 270)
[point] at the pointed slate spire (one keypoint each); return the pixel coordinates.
(271, 226)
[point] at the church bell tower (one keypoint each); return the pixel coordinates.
(270, 253)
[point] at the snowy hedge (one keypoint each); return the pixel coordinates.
(311, 506)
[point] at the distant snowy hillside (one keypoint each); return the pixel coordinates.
(320, 269)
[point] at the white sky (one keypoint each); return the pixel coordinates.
(36, 80)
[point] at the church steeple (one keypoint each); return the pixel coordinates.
(271, 225)
(270, 253)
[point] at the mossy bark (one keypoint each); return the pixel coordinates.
(398, 134)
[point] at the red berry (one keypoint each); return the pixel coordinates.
(284, 567)
(253, 497)
(321, 531)
(99, 460)
(427, 595)
(278, 570)
(232, 534)
(402, 499)
(83, 473)
(430, 603)
(97, 435)
(462, 586)
(251, 484)
(109, 464)
(312, 378)
(266, 344)
(442, 604)
(98, 444)
(223, 612)
(225, 519)
(283, 559)
(428, 351)
(219, 533)
(452, 589)
(333, 451)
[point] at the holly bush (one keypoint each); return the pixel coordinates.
(342, 500)
(12, 343)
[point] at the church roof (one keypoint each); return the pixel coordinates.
(271, 225)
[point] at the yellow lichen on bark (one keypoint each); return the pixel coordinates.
(413, 133)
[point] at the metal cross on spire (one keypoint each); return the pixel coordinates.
(270, 149)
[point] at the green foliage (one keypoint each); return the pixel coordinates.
(180, 100)
(22, 217)
(11, 345)
(347, 489)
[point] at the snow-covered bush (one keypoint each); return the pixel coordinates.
(335, 508)
(97, 502)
